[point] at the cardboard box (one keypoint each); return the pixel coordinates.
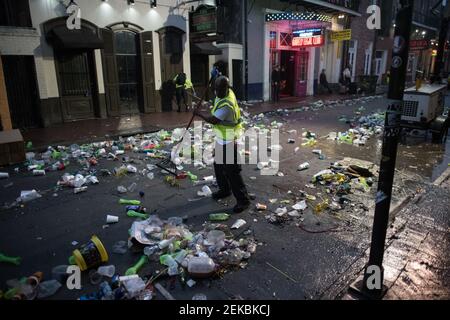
(12, 147)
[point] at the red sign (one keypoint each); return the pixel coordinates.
(308, 41)
(419, 44)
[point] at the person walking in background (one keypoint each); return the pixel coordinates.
(324, 82)
(276, 84)
(347, 76)
(182, 84)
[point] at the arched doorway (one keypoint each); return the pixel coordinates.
(75, 67)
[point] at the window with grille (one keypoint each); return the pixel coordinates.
(285, 39)
(410, 108)
(126, 43)
(74, 74)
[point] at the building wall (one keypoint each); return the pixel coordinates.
(364, 36)
(6, 123)
(103, 14)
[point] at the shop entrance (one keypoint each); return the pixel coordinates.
(294, 73)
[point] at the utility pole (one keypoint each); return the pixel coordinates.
(371, 286)
(246, 50)
(445, 22)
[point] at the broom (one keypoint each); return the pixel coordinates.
(167, 164)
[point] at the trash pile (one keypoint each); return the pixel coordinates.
(363, 128)
(181, 254)
(344, 185)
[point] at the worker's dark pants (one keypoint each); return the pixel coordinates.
(181, 95)
(228, 173)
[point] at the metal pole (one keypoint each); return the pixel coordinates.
(392, 132)
(246, 50)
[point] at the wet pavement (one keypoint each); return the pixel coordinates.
(313, 257)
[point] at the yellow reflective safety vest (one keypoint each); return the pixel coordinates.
(187, 85)
(231, 131)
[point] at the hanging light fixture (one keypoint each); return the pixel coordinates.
(131, 2)
(153, 4)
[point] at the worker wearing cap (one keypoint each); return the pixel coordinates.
(226, 119)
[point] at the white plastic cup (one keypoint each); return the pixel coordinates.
(112, 219)
(4, 175)
(38, 172)
(303, 166)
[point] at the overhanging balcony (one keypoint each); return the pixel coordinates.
(332, 7)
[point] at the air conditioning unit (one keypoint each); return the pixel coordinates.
(423, 105)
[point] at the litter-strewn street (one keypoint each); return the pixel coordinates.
(303, 237)
(223, 158)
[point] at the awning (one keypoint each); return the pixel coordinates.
(63, 38)
(206, 48)
(330, 6)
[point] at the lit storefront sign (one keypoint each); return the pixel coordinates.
(341, 35)
(303, 42)
(306, 33)
(308, 37)
(420, 44)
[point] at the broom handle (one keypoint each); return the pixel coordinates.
(193, 115)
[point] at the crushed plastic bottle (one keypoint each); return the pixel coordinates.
(120, 247)
(60, 273)
(201, 267)
(121, 189)
(199, 296)
(106, 292)
(107, 271)
(48, 288)
(134, 286)
(26, 196)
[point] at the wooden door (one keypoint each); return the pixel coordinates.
(110, 73)
(301, 83)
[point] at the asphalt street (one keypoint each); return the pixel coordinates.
(289, 263)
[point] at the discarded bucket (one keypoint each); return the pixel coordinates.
(91, 254)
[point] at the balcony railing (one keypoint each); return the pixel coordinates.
(349, 4)
(426, 19)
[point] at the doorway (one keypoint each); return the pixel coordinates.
(287, 73)
(77, 84)
(301, 74)
(238, 73)
(128, 66)
(21, 88)
(171, 59)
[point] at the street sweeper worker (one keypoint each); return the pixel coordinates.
(182, 83)
(225, 116)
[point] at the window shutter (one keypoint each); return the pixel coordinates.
(148, 73)
(110, 73)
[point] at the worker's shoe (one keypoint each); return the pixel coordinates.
(241, 207)
(220, 195)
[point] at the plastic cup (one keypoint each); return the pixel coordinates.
(112, 219)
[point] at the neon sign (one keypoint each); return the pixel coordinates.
(305, 33)
(315, 41)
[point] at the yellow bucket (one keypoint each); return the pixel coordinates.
(91, 254)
